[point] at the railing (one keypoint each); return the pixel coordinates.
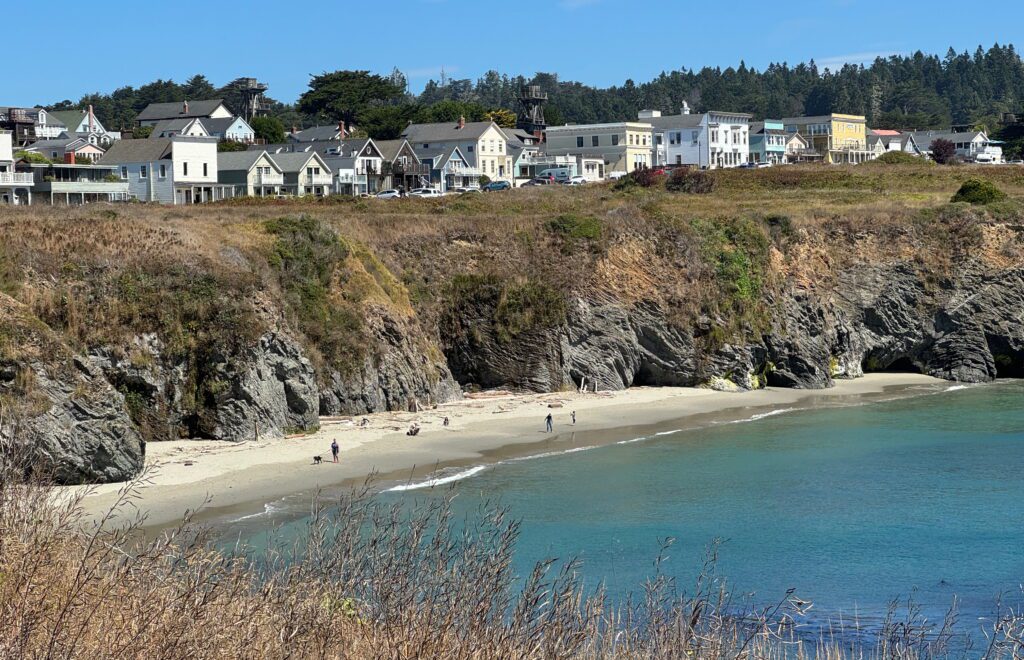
(351, 178)
(412, 169)
(84, 186)
(269, 180)
(319, 179)
(463, 171)
(15, 178)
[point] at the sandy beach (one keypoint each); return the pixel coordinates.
(183, 475)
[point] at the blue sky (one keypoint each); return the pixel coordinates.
(598, 42)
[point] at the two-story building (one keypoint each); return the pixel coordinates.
(481, 143)
(971, 146)
(402, 168)
(234, 129)
(189, 127)
(85, 124)
(15, 187)
(67, 149)
(250, 173)
(707, 140)
(71, 183)
(768, 142)
(305, 173)
(622, 146)
(882, 141)
(357, 165)
(173, 170)
(840, 139)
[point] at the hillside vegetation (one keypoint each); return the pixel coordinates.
(217, 320)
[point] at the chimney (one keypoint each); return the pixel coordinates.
(686, 108)
(184, 107)
(341, 129)
(69, 157)
(92, 120)
(462, 122)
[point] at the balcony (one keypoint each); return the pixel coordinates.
(462, 171)
(411, 169)
(349, 177)
(272, 179)
(84, 186)
(15, 179)
(319, 179)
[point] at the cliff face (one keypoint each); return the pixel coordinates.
(117, 331)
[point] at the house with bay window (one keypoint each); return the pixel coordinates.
(768, 142)
(481, 143)
(250, 173)
(708, 140)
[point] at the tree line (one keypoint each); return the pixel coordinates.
(915, 91)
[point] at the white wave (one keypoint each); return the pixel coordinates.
(439, 481)
(547, 454)
(660, 433)
(754, 418)
(268, 510)
(632, 440)
(954, 388)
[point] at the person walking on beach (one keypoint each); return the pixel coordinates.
(334, 450)
(574, 417)
(550, 422)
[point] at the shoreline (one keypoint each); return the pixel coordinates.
(239, 478)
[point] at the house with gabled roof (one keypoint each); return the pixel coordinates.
(171, 170)
(183, 126)
(331, 133)
(84, 123)
(154, 113)
(402, 168)
(449, 168)
(250, 173)
(235, 129)
(481, 143)
(68, 149)
(305, 173)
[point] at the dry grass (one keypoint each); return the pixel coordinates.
(373, 581)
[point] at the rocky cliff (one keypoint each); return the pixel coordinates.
(117, 331)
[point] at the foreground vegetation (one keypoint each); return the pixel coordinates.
(373, 581)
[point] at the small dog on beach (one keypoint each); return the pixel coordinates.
(317, 460)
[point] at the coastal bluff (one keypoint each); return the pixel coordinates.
(127, 324)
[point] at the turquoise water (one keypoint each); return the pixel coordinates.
(852, 506)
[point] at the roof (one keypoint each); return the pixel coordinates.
(294, 162)
(315, 134)
(819, 119)
(884, 131)
(220, 124)
(924, 139)
(158, 111)
(240, 160)
(70, 118)
(175, 125)
(389, 149)
(137, 151)
(446, 131)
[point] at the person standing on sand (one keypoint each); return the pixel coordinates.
(550, 422)
(574, 417)
(334, 450)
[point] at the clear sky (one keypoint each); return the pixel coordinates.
(598, 42)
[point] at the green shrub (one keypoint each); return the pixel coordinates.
(696, 182)
(900, 158)
(978, 192)
(570, 225)
(642, 178)
(32, 157)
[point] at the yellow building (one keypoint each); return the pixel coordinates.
(838, 138)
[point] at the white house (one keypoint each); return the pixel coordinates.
(15, 187)
(85, 124)
(155, 113)
(481, 143)
(184, 126)
(173, 170)
(709, 140)
(972, 146)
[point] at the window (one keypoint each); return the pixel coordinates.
(630, 138)
(595, 141)
(124, 172)
(184, 169)
(615, 140)
(426, 146)
(163, 171)
(579, 141)
(693, 137)
(206, 169)
(143, 173)
(469, 148)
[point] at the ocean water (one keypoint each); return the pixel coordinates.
(850, 506)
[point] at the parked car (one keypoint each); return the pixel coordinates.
(555, 174)
(575, 181)
(1015, 162)
(615, 176)
(466, 190)
(537, 181)
(425, 192)
(497, 185)
(388, 194)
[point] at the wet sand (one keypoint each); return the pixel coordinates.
(231, 479)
